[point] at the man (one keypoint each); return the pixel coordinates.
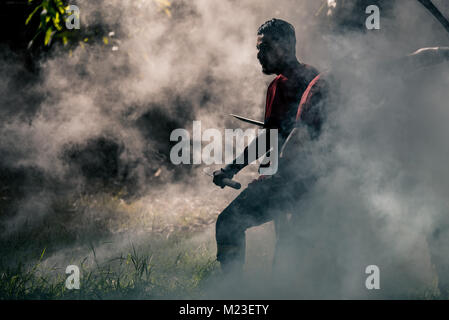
(295, 82)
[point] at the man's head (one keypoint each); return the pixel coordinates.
(276, 45)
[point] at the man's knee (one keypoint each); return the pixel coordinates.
(223, 218)
(228, 224)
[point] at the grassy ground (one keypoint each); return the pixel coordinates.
(156, 247)
(140, 274)
(161, 245)
(139, 250)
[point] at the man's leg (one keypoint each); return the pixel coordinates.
(249, 209)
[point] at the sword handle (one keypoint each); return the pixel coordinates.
(231, 183)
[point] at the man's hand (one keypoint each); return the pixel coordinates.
(425, 57)
(221, 174)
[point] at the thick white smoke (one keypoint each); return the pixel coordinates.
(381, 159)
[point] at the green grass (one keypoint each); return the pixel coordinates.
(139, 274)
(166, 257)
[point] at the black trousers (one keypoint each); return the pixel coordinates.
(262, 201)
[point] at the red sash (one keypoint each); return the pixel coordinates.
(305, 99)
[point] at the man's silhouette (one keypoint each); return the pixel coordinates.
(295, 82)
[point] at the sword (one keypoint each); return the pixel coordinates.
(227, 182)
(257, 123)
(436, 13)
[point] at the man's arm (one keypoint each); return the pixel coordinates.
(243, 159)
(421, 58)
(429, 56)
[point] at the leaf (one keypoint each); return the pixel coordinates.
(30, 44)
(48, 36)
(42, 253)
(56, 22)
(32, 14)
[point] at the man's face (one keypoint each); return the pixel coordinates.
(269, 54)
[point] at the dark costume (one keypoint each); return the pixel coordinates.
(264, 198)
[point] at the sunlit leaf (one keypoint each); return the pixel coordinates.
(53, 14)
(32, 14)
(48, 36)
(43, 252)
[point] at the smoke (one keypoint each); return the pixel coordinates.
(376, 201)
(99, 118)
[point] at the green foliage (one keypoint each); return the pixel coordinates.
(52, 13)
(49, 17)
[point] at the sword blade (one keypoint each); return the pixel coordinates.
(255, 122)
